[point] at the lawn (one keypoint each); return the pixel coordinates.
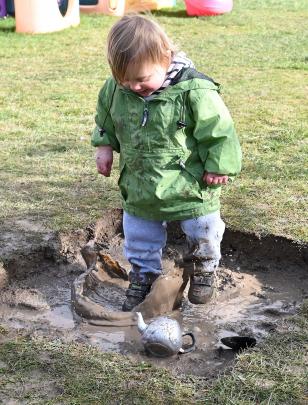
(49, 86)
(48, 92)
(40, 371)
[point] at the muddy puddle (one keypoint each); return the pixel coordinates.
(260, 282)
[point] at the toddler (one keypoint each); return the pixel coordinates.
(177, 146)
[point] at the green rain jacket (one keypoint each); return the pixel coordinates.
(167, 143)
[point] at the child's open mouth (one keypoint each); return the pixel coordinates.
(144, 93)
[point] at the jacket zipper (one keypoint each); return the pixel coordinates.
(145, 116)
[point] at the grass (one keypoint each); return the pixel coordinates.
(36, 370)
(49, 86)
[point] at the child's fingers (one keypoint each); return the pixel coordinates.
(108, 169)
(206, 178)
(103, 168)
(104, 165)
(224, 179)
(214, 179)
(220, 180)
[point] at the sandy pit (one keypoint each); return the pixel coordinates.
(260, 282)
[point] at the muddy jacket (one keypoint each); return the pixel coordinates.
(166, 144)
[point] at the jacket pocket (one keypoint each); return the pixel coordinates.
(188, 187)
(160, 125)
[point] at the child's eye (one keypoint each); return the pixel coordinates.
(144, 79)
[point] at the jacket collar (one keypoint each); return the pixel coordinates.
(187, 79)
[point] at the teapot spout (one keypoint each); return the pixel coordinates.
(140, 322)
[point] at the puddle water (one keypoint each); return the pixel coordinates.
(236, 310)
(248, 302)
(60, 317)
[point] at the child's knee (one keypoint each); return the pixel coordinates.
(209, 227)
(142, 232)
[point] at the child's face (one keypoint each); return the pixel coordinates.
(145, 79)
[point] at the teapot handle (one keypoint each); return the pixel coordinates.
(191, 346)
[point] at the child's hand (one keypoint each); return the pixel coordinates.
(214, 178)
(104, 159)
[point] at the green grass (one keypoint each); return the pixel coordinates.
(51, 372)
(49, 86)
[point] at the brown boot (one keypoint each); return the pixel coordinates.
(201, 287)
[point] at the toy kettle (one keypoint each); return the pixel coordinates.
(163, 336)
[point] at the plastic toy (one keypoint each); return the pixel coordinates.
(208, 7)
(120, 7)
(2, 8)
(109, 7)
(144, 5)
(10, 9)
(88, 2)
(40, 16)
(63, 5)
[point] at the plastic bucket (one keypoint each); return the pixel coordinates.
(208, 7)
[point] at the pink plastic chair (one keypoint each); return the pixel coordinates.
(208, 7)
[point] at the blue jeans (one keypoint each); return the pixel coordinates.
(145, 240)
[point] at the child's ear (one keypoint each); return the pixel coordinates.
(169, 56)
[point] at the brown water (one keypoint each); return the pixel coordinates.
(253, 295)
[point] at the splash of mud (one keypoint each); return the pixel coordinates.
(98, 294)
(259, 283)
(20, 297)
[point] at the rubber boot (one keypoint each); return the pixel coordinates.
(135, 294)
(201, 287)
(201, 263)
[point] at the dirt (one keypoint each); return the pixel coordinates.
(260, 281)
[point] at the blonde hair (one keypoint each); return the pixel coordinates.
(136, 39)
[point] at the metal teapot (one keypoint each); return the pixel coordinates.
(163, 336)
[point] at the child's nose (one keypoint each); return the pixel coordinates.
(135, 86)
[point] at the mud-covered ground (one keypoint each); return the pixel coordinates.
(259, 282)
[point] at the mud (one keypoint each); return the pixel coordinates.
(98, 294)
(260, 282)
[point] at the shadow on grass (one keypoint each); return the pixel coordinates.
(7, 29)
(177, 14)
(170, 13)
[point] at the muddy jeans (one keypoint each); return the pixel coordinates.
(145, 239)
